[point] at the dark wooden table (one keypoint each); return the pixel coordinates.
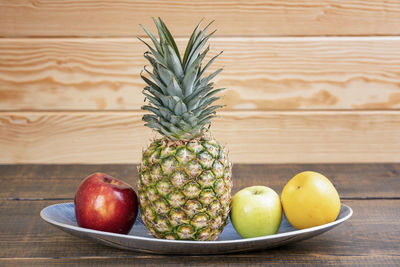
(370, 237)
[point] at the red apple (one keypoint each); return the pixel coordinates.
(105, 203)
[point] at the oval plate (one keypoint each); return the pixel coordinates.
(139, 239)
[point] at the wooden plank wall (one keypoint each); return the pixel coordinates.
(308, 81)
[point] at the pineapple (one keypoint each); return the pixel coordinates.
(185, 176)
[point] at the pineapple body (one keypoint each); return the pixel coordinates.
(185, 188)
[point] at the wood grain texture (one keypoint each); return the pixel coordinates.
(31, 182)
(260, 73)
(251, 137)
(273, 17)
(370, 237)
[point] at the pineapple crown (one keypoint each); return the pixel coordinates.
(179, 97)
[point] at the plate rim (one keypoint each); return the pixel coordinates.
(242, 240)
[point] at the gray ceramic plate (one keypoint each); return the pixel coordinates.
(63, 217)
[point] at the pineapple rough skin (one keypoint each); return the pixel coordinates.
(185, 189)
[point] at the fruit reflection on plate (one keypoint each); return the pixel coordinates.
(63, 217)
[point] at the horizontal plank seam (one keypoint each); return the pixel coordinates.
(24, 111)
(178, 38)
(48, 165)
(290, 111)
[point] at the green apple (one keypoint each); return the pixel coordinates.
(256, 211)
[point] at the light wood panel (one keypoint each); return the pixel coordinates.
(233, 18)
(252, 137)
(260, 73)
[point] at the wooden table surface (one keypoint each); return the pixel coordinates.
(370, 237)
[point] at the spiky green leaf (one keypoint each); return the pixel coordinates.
(180, 108)
(169, 38)
(190, 43)
(180, 98)
(153, 39)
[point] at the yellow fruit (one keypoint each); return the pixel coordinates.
(310, 199)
